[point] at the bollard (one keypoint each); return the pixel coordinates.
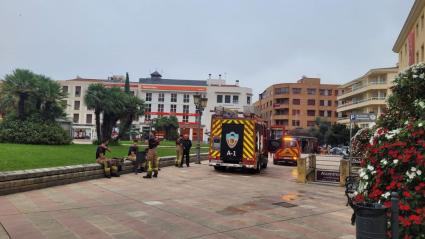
(344, 171)
(301, 168)
(394, 215)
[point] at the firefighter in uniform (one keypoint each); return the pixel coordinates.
(132, 155)
(152, 157)
(179, 150)
(110, 167)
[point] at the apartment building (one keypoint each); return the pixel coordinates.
(366, 94)
(297, 105)
(410, 42)
(83, 119)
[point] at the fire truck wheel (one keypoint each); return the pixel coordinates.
(219, 168)
(258, 169)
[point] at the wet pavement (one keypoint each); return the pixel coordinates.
(195, 202)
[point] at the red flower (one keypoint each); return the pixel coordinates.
(415, 219)
(387, 204)
(407, 194)
(404, 207)
(404, 221)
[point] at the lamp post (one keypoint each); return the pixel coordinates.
(200, 103)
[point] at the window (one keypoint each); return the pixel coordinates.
(77, 105)
(322, 92)
(336, 103)
(322, 103)
(235, 99)
(185, 118)
(417, 30)
(329, 102)
(75, 119)
(417, 56)
(283, 101)
(161, 97)
(227, 99)
(422, 22)
(336, 114)
(186, 98)
(160, 107)
(284, 90)
(148, 96)
(282, 111)
(296, 101)
(296, 112)
(329, 113)
(219, 98)
(88, 118)
(65, 89)
(186, 109)
(311, 91)
(248, 100)
(336, 92)
(321, 113)
(311, 123)
(311, 112)
(296, 90)
(173, 97)
(329, 92)
(77, 91)
(148, 108)
(281, 122)
(173, 108)
(295, 123)
(147, 117)
(311, 102)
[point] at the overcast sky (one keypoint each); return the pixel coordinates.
(258, 42)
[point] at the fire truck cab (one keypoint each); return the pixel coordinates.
(285, 148)
(237, 140)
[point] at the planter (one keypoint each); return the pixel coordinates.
(371, 221)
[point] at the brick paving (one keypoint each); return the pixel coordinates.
(195, 202)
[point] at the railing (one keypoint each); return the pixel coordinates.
(355, 88)
(361, 101)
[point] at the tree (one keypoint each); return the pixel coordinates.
(95, 99)
(134, 107)
(169, 125)
(17, 88)
(49, 98)
(127, 84)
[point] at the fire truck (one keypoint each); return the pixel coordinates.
(237, 140)
(285, 148)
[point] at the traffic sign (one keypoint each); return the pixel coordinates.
(363, 117)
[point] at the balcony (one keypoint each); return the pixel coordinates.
(362, 103)
(364, 88)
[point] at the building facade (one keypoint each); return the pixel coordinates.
(297, 105)
(410, 42)
(230, 96)
(163, 97)
(366, 94)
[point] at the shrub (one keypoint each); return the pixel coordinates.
(31, 131)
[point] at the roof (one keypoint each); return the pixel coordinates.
(371, 71)
(414, 13)
(161, 81)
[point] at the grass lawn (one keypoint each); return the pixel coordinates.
(24, 156)
(164, 143)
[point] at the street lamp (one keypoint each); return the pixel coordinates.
(200, 103)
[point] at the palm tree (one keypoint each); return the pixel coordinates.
(134, 107)
(17, 87)
(49, 98)
(95, 100)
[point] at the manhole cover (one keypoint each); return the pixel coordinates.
(284, 204)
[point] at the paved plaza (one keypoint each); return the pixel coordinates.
(195, 202)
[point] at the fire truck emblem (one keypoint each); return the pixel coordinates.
(232, 139)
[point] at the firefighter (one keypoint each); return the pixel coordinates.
(132, 155)
(179, 150)
(153, 160)
(110, 167)
(187, 144)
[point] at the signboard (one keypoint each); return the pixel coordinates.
(231, 143)
(363, 117)
(327, 176)
(355, 161)
(411, 46)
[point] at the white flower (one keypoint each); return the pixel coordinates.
(420, 124)
(419, 172)
(395, 161)
(370, 168)
(406, 122)
(389, 136)
(413, 169)
(422, 75)
(386, 195)
(366, 177)
(411, 175)
(415, 76)
(384, 162)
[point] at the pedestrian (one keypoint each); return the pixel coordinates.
(153, 160)
(187, 144)
(110, 167)
(133, 150)
(179, 150)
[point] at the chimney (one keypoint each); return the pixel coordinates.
(237, 83)
(209, 76)
(219, 77)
